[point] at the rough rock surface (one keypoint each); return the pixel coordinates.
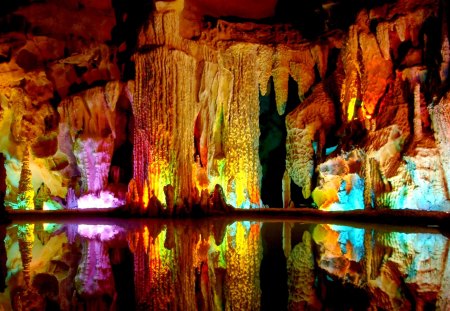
(342, 77)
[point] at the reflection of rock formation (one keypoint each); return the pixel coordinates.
(301, 276)
(25, 235)
(3, 258)
(182, 268)
(243, 258)
(26, 296)
(399, 271)
(94, 280)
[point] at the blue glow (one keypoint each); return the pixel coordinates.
(353, 236)
(330, 150)
(352, 200)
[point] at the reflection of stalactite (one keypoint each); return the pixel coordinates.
(186, 268)
(301, 276)
(243, 259)
(154, 272)
(186, 243)
(25, 234)
(287, 237)
(94, 277)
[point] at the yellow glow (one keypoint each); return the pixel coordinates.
(160, 175)
(351, 109)
(220, 178)
(243, 259)
(145, 196)
(241, 187)
(146, 237)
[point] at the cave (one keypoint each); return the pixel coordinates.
(224, 154)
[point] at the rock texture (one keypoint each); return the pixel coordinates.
(212, 265)
(51, 55)
(169, 93)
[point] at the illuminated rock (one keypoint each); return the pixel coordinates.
(87, 133)
(25, 199)
(191, 115)
(43, 194)
(309, 122)
(441, 123)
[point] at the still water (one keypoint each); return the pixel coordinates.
(214, 264)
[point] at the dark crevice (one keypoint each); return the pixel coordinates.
(272, 148)
(130, 17)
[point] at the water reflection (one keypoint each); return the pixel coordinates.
(214, 265)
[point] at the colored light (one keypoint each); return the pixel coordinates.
(103, 232)
(104, 200)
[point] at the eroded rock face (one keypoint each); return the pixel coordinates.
(49, 52)
(372, 81)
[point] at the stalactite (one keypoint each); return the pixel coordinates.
(302, 75)
(351, 89)
(368, 187)
(280, 75)
(210, 93)
(265, 60)
(400, 27)
(383, 29)
(440, 117)
(87, 133)
(320, 55)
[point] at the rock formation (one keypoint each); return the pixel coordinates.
(170, 93)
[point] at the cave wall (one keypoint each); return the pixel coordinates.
(369, 128)
(180, 83)
(61, 94)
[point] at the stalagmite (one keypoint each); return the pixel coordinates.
(25, 199)
(417, 122)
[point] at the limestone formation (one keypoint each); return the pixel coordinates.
(170, 93)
